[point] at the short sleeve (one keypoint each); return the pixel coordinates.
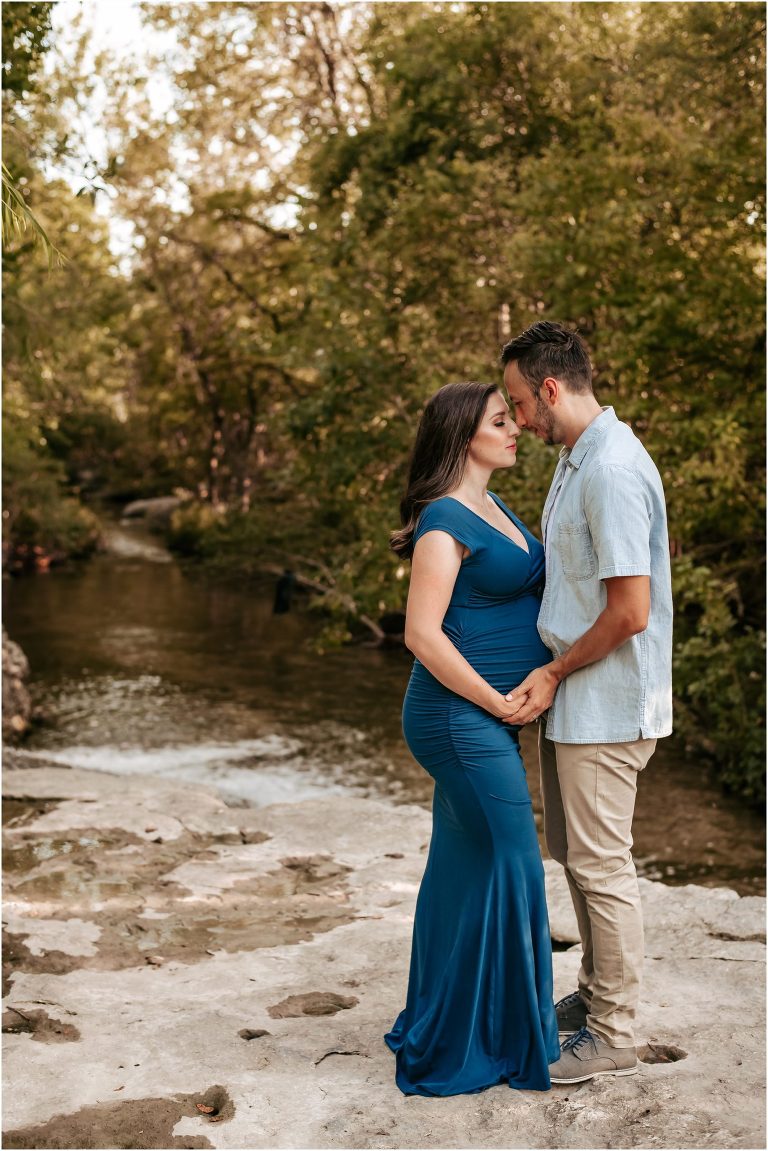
(442, 516)
(618, 510)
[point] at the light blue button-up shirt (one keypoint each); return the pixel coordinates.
(605, 516)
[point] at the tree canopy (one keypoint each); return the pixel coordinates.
(342, 207)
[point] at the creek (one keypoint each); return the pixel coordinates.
(145, 667)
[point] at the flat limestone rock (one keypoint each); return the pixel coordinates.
(71, 936)
(229, 986)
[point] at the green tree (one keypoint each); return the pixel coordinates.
(61, 355)
(25, 30)
(348, 205)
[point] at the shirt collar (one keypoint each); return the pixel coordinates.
(591, 434)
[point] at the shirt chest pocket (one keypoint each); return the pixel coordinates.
(577, 552)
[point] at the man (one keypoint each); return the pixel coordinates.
(606, 616)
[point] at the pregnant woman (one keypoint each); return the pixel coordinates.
(479, 1008)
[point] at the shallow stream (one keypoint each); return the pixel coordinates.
(147, 669)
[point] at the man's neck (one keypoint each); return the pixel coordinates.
(582, 411)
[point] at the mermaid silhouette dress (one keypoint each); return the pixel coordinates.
(479, 1009)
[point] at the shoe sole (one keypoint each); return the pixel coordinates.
(594, 1075)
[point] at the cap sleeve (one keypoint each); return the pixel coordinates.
(444, 516)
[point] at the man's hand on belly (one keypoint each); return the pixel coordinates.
(533, 696)
(624, 615)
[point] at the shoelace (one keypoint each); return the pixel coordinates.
(578, 1040)
(569, 1000)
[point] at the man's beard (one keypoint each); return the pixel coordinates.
(545, 423)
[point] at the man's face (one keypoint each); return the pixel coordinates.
(531, 412)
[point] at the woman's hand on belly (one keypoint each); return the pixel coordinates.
(534, 695)
(502, 709)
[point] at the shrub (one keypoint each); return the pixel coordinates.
(719, 679)
(41, 523)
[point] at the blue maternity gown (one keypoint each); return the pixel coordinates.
(479, 1008)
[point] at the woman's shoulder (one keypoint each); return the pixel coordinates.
(446, 514)
(444, 509)
(442, 505)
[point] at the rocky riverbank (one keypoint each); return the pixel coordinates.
(185, 974)
(17, 704)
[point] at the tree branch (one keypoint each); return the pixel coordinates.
(345, 601)
(215, 261)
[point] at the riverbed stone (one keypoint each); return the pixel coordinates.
(17, 703)
(297, 921)
(157, 510)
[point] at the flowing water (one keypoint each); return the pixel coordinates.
(145, 668)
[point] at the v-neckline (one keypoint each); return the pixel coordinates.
(526, 550)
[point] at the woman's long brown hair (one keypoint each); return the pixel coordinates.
(448, 423)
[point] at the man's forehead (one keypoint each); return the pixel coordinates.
(513, 381)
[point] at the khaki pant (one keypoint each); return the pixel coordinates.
(588, 791)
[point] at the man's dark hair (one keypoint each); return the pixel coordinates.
(550, 349)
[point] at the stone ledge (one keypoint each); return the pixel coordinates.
(204, 933)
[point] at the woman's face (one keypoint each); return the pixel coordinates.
(494, 444)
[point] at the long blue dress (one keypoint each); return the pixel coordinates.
(479, 1009)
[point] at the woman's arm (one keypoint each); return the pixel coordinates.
(434, 567)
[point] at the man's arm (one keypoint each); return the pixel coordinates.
(624, 615)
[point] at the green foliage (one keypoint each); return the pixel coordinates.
(64, 367)
(17, 217)
(40, 524)
(195, 531)
(719, 679)
(87, 441)
(26, 28)
(25, 39)
(354, 204)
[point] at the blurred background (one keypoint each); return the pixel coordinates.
(244, 242)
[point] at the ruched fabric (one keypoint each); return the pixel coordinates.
(479, 1008)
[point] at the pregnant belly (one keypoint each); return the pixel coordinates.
(501, 642)
(506, 659)
(503, 647)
